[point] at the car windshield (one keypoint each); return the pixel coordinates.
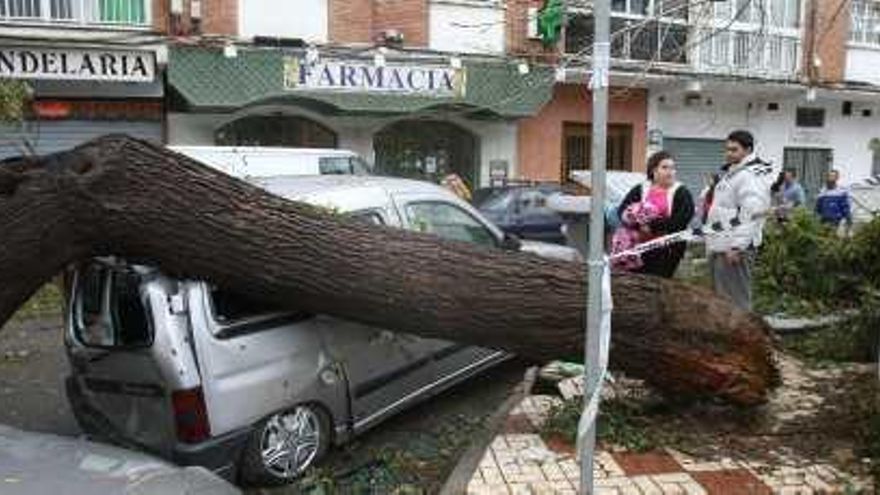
(494, 199)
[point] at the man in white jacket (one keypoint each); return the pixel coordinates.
(738, 202)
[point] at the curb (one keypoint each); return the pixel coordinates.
(457, 482)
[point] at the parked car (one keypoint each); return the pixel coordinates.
(40, 464)
(522, 210)
(250, 161)
(200, 375)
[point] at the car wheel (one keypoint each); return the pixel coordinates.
(285, 445)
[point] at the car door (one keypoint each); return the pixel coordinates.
(110, 337)
(441, 216)
(383, 368)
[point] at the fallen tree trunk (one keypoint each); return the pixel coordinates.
(120, 196)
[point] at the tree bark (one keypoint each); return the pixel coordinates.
(117, 195)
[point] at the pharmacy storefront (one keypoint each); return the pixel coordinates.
(410, 115)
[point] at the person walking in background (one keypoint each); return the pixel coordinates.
(833, 203)
(655, 208)
(788, 194)
(736, 206)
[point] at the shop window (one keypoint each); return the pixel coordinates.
(577, 147)
(275, 130)
(426, 150)
(810, 117)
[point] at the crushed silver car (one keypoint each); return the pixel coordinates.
(203, 376)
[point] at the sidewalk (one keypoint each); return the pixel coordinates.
(519, 461)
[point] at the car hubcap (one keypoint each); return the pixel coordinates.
(290, 442)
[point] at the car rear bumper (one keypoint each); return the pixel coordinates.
(219, 454)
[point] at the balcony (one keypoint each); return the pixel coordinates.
(748, 38)
(75, 13)
(747, 53)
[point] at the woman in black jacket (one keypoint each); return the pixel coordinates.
(671, 209)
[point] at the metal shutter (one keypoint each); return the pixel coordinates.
(695, 158)
(49, 137)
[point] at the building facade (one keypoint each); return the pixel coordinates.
(93, 67)
(419, 88)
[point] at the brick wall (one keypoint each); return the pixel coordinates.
(827, 32)
(407, 16)
(351, 21)
(160, 15)
(220, 17)
(516, 22)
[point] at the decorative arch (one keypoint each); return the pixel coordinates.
(289, 131)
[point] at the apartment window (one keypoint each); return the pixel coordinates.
(810, 117)
(865, 25)
(122, 12)
(765, 13)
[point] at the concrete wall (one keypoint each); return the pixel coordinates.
(863, 64)
(540, 137)
(497, 139)
(466, 26)
(305, 19)
(847, 136)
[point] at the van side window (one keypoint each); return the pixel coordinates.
(109, 310)
(336, 165)
(230, 307)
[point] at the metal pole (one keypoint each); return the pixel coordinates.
(599, 85)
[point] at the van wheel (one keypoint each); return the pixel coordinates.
(285, 445)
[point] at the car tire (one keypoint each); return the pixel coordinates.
(286, 444)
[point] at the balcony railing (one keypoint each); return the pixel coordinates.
(121, 13)
(747, 53)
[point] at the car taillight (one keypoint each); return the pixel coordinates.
(190, 415)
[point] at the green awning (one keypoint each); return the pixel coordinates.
(205, 79)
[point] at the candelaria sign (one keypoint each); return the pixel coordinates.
(76, 64)
(361, 76)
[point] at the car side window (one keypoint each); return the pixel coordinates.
(231, 307)
(449, 222)
(370, 217)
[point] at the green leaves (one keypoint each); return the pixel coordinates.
(14, 95)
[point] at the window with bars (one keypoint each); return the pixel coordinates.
(865, 22)
(654, 30)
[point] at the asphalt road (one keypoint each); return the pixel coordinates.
(412, 452)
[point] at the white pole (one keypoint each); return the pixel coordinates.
(596, 264)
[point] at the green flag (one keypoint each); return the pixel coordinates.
(550, 21)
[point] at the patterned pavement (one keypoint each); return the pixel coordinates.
(519, 461)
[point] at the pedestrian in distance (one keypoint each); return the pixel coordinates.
(655, 208)
(833, 203)
(736, 210)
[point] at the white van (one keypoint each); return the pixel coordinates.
(250, 161)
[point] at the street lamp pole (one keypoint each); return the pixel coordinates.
(596, 261)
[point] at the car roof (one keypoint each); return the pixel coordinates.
(347, 192)
(262, 150)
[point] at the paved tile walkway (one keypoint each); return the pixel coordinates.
(519, 462)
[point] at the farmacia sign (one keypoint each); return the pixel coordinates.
(362, 76)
